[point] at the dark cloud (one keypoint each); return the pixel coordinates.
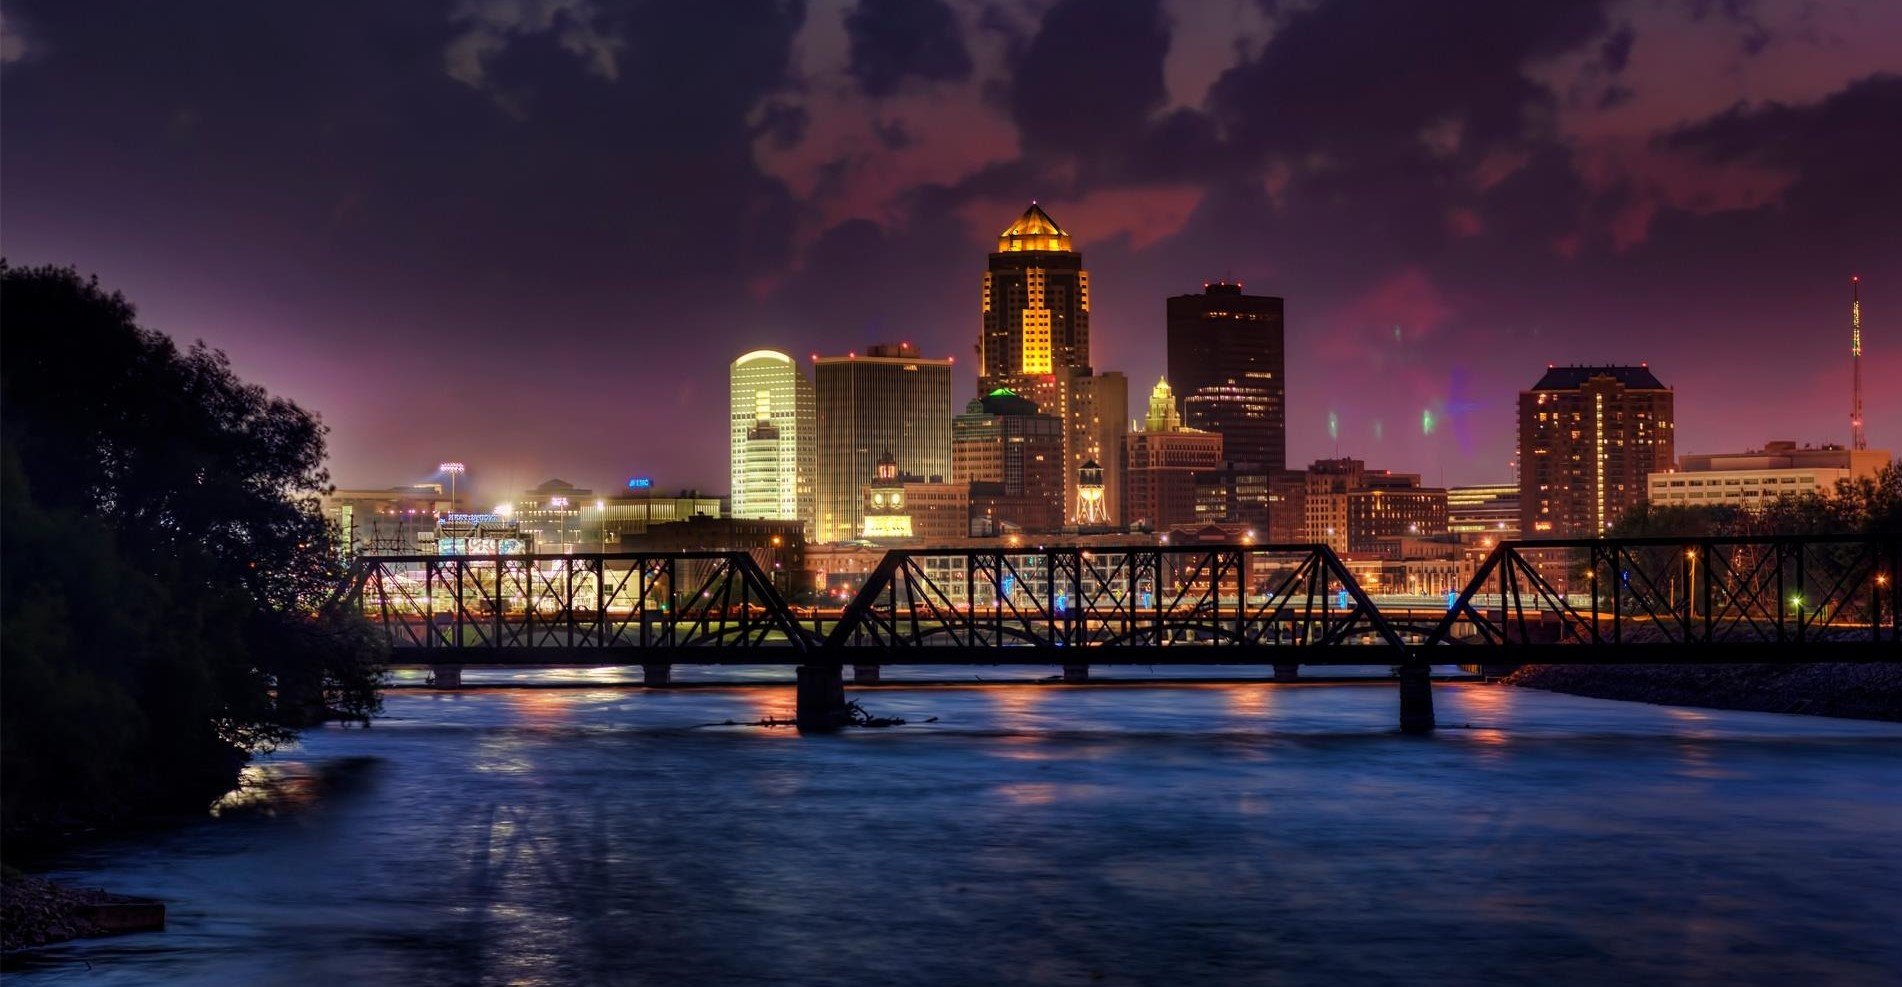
(895, 40)
(1091, 76)
(1356, 77)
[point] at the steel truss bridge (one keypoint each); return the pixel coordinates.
(1644, 600)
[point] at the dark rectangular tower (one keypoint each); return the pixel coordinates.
(1227, 360)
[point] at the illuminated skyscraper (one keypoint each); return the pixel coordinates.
(772, 449)
(1588, 438)
(1035, 343)
(1227, 360)
(887, 399)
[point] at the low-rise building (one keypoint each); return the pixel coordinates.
(1757, 476)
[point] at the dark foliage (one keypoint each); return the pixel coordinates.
(164, 564)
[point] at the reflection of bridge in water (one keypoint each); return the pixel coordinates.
(1776, 599)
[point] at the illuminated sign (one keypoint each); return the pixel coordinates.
(476, 518)
(640, 483)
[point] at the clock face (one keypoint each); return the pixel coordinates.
(878, 500)
(898, 500)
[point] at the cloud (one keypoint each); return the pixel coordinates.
(895, 40)
(487, 27)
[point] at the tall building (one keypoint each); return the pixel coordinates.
(1755, 477)
(1352, 509)
(1160, 464)
(1011, 456)
(1588, 438)
(1035, 342)
(773, 449)
(1036, 305)
(1228, 362)
(887, 399)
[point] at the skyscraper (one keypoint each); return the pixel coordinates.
(1228, 362)
(888, 399)
(1588, 438)
(1035, 343)
(772, 450)
(1036, 306)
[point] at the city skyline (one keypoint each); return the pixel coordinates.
(1622, 184)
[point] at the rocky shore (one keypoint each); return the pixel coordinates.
(1860, 691)
(36, 912)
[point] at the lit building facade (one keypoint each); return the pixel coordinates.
(397, 521)
(1228, 361)
(1758, 476)
(886, 515)
(1011, 456)
(1488, 510)
(1161, 461)
(773, 447)
(887, 399)
(1588, 439)
(1371, 513)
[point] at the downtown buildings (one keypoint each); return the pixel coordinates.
(1588, 439)
(1755, 477)
(1228, 360)
(1034, 341)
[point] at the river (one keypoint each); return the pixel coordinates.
(1038, 834)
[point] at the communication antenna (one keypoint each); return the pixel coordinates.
(1857, 440)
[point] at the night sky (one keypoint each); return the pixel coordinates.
(531, 234)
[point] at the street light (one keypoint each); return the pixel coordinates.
(454, 470)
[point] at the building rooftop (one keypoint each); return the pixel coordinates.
(1034, 230)
(1559, 378)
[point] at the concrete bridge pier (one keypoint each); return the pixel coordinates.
(657, 674)
(1416, 698)
(446, 676)
(865, 674)
(1076, 673)
(1287, 673)
(820, 698)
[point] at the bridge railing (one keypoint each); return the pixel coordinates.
(591, 602)
(1683, 599)
(1241, 598)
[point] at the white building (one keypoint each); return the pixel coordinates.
(773, 453)
(1747, 479)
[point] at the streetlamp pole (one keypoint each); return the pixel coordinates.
(454, 470)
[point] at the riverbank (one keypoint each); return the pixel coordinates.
(38, 912)
(1856, 691)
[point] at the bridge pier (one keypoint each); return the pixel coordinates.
(657, 674)
(1416, 698)
(864, 674)
(820, 698)
(1076, 673)
(446, 676)
(1287, 673)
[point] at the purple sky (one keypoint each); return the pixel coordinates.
(530, 234)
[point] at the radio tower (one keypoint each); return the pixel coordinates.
(1856, 439)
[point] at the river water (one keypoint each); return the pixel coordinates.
(1040, 834)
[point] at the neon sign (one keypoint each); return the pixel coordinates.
(640, 483)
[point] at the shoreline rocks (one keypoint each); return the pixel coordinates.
(37, 912)
(1866, 691)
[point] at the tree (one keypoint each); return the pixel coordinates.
(165, 565)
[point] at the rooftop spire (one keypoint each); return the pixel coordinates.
(1034, 230)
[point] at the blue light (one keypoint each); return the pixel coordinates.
(1340, 599)
(640, 483)
(1451, 599)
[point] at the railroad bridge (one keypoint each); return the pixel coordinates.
(1600, 601)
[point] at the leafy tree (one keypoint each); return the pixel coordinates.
(1864, 504)
(165, 565)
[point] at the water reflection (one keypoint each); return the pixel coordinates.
(1209, 835)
